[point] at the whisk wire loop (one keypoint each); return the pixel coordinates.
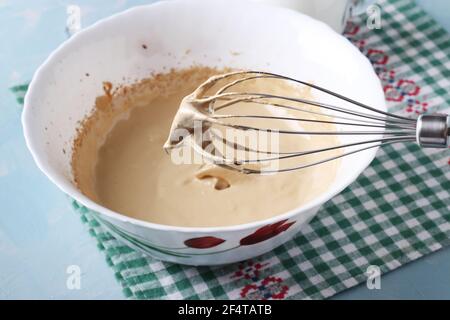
(384, 127)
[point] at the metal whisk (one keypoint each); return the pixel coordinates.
(208, 103)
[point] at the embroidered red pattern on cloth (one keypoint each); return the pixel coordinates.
(256, 286)
(405, 91)
(396, 89)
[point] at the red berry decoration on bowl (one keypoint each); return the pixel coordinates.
(266, 232)
(203, 242)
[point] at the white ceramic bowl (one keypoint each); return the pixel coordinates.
(266, 38)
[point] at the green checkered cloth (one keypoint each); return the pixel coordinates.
(396, 212)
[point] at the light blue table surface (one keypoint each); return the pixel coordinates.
(40, 236)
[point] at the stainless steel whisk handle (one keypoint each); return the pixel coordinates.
(433, 130)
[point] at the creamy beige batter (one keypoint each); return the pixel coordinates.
(119, 161)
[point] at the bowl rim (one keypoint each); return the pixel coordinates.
(76, 194)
